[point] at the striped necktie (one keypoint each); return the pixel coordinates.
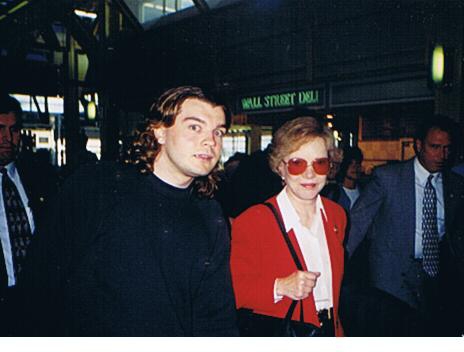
(430, 230)
(18, 223)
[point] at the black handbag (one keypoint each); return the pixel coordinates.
(252, 324)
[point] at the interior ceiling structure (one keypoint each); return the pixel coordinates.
(33, 37)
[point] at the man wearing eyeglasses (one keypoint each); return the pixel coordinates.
(409, 215)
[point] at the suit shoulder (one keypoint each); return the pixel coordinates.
(455, 176)
(389, 172)
(393, 168)
(455, 181)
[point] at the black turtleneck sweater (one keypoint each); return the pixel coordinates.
(138, 257)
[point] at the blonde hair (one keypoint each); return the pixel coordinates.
(293, 134)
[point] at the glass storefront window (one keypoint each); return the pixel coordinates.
(183, 4)
(265, 140)
(231, 144)
(151, 10)
(170, 6)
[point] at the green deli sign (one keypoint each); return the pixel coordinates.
(276, 101)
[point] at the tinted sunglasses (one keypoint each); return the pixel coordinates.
(296, 166)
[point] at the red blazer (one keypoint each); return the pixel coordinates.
(259, 255)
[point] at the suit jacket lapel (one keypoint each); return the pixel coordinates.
(3, 274)
(450, 194)
(406, 197)
(25, 179)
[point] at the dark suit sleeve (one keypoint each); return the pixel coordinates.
(364, 211)
(43, 273)
(58, 240)
(454, 238)
(214, 305)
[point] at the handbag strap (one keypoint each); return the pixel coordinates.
(285, 235)
(294, 256)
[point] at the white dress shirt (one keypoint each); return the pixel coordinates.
(313, 245)
(352, 194)
(420, 177)
(4, 233)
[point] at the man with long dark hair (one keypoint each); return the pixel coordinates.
(142, 250)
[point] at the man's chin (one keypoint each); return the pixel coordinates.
(438, 168)
(204, 169)
(201, 172)
(6, 158)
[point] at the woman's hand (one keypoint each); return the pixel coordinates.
(297, 285)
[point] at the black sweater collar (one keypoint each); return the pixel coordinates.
(170, 191)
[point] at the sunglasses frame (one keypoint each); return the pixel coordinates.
(286, 163)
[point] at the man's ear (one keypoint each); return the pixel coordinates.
(417, 146)
(160, 134)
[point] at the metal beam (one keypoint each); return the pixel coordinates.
(128, 15)
(50, 37)
(13, 8)
(201, 5)
(81, 33)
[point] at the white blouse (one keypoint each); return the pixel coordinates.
(313, 245)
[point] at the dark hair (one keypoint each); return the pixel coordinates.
(163, 112)
(238, 156)
(349, 154)
(9, 104)
(440, 122)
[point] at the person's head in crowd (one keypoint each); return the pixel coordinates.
(351, 166)
(336, 158)
(10, 129)
(233, 162)
(83, 139)
(433, 142)
(300, 156)
(182, 140)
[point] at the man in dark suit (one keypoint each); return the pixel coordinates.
(23, 198)
(408, 214)
(141, 249)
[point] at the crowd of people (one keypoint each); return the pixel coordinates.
(292, 241)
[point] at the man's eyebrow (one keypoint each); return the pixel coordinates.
(194, 118)
(202, 121)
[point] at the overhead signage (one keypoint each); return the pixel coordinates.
(282, 100)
